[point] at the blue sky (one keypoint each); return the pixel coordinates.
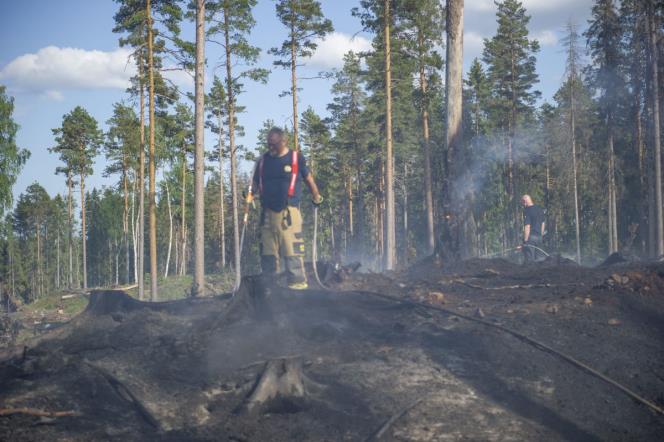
(56, 55)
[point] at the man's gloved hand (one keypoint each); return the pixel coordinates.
(317, 200)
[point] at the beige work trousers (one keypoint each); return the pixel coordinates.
(282, 240)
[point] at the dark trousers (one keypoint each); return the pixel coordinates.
(530, 253)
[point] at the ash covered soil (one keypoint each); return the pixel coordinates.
(272, 364)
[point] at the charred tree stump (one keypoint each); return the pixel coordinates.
(279, 389)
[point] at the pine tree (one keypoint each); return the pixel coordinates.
(573, 61)
(478, 93)
(423, 20)
(136, 18)
(455, 209)
(216, 102)
(122, 145)
(604, 41)
(350, 138)
(305, 23)
(198, 285)
(653, 49)
(29, 223)
(510, 60)
(12, 158)
(233, 19)
(77, 142)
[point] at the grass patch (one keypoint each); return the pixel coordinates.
(179, 287)
(54, 302)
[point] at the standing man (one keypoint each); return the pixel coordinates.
(278, 178)
(533, 228)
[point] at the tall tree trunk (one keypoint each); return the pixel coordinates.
(454, 131)
(574, 171)
(183, 209)
(222, 214)
(154, 295)
(294, 85)
(70, 228)
(125, 218)
(613, 223)
(641, 153)
(57, 261)
(428, 185)
(349, 195)
(140, 260)
(404, 189)
(390, 221)
(39, 283)
(198, 286)
(230, 101)
(654, 65)
(83, 234)
(117, 264)
(170, 231)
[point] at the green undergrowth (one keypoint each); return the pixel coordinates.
(171, 288)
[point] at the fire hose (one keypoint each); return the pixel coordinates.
(493, 255)
(314, 249)
(531, 341)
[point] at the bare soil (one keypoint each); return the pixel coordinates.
(280, 365)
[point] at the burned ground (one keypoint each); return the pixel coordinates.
(353, 366)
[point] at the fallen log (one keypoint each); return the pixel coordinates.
(36, 412)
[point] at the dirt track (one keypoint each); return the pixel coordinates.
(371, 368)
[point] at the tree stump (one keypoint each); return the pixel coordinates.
(279, 389)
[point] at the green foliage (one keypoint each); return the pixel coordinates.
(12, 158)
(77, 141)
(510, 57)
(305, 23)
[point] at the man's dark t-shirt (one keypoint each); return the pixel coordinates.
(276, 180)
(534, 215)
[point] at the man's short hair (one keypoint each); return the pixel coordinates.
(276, 131)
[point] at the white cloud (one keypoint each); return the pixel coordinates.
(331, 50)
(53, 69)
(53, 95)
(473, 44)
(547, 38)
(480, 5)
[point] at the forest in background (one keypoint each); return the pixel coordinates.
(398, 184)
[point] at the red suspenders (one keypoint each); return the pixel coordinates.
(294, 167)
(294, 172)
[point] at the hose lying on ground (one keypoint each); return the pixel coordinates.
(314, 258)
(531, 341)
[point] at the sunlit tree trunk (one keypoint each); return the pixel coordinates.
(141, 189)
(294, 84)
(574, 171)
(454, 130)
(57, 260)
(613, 223)
(654, 66)
(170, 231)
(390, 221)
(198, 286)
(183, 209)
(70, 228)
(154, 295)
(230, 97)
(83, 233)
(125, 217)
(428, 185)
(222, 203)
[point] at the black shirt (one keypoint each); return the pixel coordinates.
(534, 215)
(276, 180)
